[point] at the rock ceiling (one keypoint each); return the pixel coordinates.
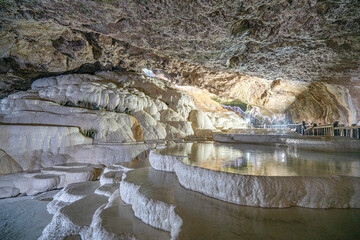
(218, 45)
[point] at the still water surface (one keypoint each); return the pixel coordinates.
(265, 160)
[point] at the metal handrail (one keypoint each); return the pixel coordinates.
(330, 130)
(276, 125)
(322, 130)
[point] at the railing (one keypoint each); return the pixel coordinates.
(323, 130)
(330, 130)
(239, 111)
(279, 126)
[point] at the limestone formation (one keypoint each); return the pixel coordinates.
(310, 47)
(106, 154)
(8, 164)
(89, 90)
(34, 147)
(103, 202)
(112, 107)
(220, 118)
(324, 144)
(267, 138)
(264, 191)
(314, 102)
(31, 183)
(201, 120)
(9, 191)
(155, 213)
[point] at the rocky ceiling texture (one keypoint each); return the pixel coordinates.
(300, 58)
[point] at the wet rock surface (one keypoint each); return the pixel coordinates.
(133, 204)
(251, 189)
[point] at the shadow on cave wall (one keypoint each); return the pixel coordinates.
(316, 104)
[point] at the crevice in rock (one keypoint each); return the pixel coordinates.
(68, 47)
(8, 63)
(92, 39)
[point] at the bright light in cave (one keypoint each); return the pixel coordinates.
(148, 72)
(157, 74)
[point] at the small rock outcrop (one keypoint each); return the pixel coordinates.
(8, 164)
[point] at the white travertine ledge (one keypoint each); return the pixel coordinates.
(292, 140)
(251, 138)
(264, 191)
(31, 183)
(325, 144)
(163, 162)
(153, 212)
(35, 146)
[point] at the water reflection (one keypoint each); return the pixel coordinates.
(265, 160)
(209, 218)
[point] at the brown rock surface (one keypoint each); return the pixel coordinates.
(242, 49)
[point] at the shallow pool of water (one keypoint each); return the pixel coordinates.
(24, 218)
(209, 218)
(265, 160)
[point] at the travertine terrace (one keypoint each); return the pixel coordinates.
(191, 119)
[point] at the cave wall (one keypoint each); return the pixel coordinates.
(318, 102)
(301, 58)
(313, 102)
